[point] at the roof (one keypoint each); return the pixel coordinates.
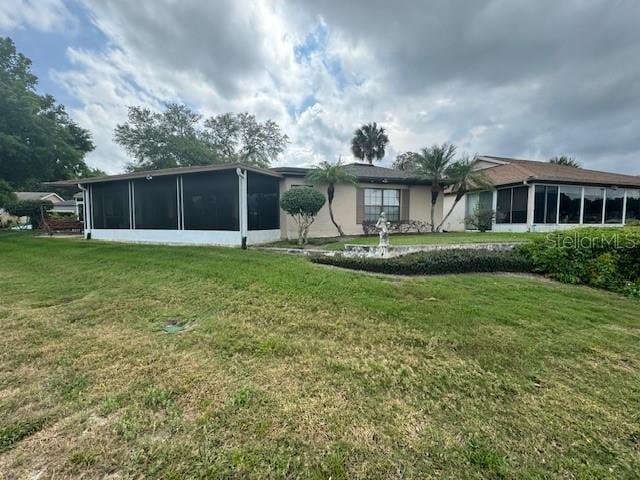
(364, 172)
(164, 172)
(36, 195)
(509, 171)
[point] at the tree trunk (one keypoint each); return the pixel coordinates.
(330, 194)
(434, 200)
(458, 198)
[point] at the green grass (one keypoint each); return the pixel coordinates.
(417, 239)
(293, 370)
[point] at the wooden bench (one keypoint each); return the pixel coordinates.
(61, 225)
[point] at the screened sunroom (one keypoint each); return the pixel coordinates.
(228, 204)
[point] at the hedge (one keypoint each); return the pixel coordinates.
(435, 262)
(601, 257)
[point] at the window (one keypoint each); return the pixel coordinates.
(593, 203)
(263, 194)
(110, 205)
(613, 206)
(211, 201)
(633, 205)
(511, 205)
(546, 204)
(378, 200)
(478, 201)
(570, 199)
(156, 203)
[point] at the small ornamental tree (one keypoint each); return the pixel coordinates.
(481, 219)
(303, 204)
(28, 208)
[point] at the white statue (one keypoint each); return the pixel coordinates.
(383, 226)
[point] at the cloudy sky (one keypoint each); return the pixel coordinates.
(529, 79)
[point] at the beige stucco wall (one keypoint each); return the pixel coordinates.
(455, 222)
(344, 209)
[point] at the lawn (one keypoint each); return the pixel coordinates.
(418, 239)
(290, 369)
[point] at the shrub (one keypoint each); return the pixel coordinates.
(601, 257)
(435, 262)
(481, 219)
(28, 208)
(6, 193)
(303, 204)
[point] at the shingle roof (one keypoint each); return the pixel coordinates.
(32, 195)
(164, 172)
(513, 170)
(365, 172)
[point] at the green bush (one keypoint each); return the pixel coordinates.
(601, 257)
(303, 204)
(435, 262)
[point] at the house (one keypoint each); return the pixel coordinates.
(237, 204)
(528, 195)
(52, 197)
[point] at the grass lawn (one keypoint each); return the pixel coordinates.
(417, 239)
(289, 369)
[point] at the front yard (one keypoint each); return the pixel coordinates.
(289, 369)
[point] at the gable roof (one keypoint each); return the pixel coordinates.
(509, 171)
(37, 196)
(164, 172)
(365, 173)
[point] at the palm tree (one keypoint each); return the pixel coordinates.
(432, 163)
(564, 160)
(331, 174)
(462, 177)
(369, 141)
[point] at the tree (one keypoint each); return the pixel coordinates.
(481, 218)
(432, 163)
(303, 204)
(369, 142)
(38, 139)
(564, 160)
(28, 208)
(6, 193)
(164, 140)
(462, 176)
(241, 138)
(405, 161)
(331, 174)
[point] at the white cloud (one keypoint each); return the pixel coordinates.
(485, 76)
(44, 15)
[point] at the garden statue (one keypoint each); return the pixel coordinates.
(383, 226)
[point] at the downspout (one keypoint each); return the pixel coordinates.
(242, 204)
(85, 207)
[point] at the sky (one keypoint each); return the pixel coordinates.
(525, 79)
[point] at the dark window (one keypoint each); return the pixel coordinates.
(211, 201)
(156, 203)
(613, 206)
(519, 205)
(263, 192)
(539, 204)
(110, 205)
(503, 206)
(552, 205)
(512, 204)
(546, 204)
(378, 200)
(633, 205)
(570, 198)
(593, 203)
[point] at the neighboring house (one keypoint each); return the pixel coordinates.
(52, 197)
(228, 204)
(539, 196)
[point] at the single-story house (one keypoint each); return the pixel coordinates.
(236, 204)
(527, 195)
(52, 197)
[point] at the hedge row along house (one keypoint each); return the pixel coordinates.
(237, 204)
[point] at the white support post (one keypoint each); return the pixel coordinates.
(604, 204)
(242, 206)
(624, 208)
(581, 205)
